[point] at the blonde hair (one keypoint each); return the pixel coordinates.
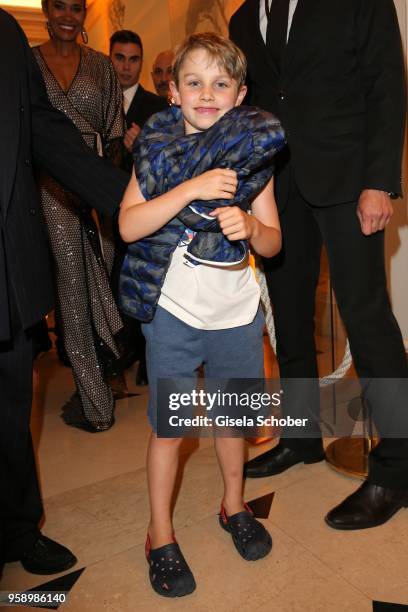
(221, 50)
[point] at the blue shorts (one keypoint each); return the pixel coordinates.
(176, 350)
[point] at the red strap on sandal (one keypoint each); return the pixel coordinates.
(224, 515)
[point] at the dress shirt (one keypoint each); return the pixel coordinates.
(263, 20)
(128, 95)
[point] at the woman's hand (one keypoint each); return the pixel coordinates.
(217, 184)
(235, 223)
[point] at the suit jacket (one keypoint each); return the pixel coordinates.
(340, 97)
(31, 130)
(143, 106)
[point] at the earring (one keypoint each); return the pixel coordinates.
(84, 35)
(49, 29)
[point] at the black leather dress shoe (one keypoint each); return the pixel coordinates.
(369, 506)
(277, 460)
(47, 557)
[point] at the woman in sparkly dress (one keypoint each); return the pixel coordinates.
(81, 83)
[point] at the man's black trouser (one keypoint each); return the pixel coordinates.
(20, 501)
(358, 276)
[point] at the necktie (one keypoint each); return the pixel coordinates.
(277, 29)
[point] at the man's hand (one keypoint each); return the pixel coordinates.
(374, 210)
(130, 136)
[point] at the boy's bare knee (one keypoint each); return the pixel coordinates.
(169, 442)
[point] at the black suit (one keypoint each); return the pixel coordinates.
(143, 106)
(31, 131)
(341, 97)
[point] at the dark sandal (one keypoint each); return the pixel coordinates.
(169, 573)
(250, 537)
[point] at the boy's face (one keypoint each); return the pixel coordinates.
(205, 91)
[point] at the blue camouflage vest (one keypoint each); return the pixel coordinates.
(246, 140)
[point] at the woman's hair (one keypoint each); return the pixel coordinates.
(221, 50)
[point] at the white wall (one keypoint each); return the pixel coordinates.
(151, 20)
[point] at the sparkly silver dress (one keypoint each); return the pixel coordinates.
(83, 256)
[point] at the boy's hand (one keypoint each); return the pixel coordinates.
(235, 223)
(218, 184)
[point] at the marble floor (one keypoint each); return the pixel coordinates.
(95, 498)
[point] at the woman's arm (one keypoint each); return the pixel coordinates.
(262, 228)
(138, 218)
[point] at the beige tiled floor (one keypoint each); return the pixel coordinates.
(94, 490)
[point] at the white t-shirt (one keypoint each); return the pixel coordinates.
(207, 296)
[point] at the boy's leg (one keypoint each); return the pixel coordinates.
(162, 465)
(230, 455)
(238, 353)
(234, 353)
(173, 350)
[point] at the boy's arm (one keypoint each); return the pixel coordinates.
(138, 218)
(266, 238)
(262, 228)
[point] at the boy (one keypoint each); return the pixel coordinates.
(205, 314)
